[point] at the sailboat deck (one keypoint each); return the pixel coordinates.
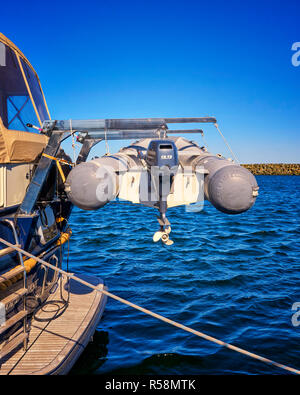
(55, 344)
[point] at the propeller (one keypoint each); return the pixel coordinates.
(163, 233)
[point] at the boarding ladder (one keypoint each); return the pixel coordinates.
(7, 280)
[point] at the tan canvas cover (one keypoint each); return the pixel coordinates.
(20, 146)
(17, 146)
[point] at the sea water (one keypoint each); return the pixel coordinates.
(233, 277)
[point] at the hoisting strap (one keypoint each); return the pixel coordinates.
(149, 312)
(58, 160)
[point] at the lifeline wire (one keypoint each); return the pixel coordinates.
(158, 316)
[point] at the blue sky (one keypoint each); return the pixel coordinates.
(117, 59)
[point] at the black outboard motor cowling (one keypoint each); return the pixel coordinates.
(162, 153)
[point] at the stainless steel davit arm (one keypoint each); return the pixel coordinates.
(123, 129)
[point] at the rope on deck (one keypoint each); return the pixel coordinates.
(155, 315)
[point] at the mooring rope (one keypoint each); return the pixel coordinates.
(155, 315)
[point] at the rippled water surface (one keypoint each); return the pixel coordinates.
(231, 277)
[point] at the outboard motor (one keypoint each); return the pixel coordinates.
(162, 162)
